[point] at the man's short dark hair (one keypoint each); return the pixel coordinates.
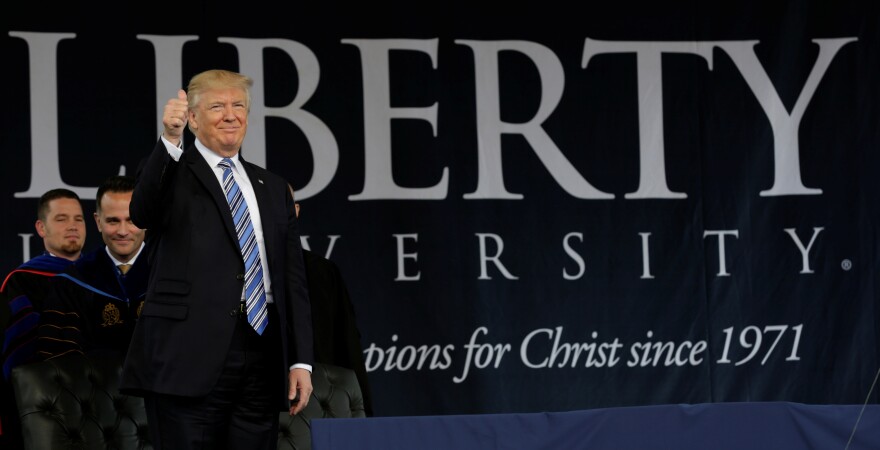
(116, 183)
(54, 194)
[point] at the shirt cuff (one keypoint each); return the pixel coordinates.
(302, 366)
(173, 150)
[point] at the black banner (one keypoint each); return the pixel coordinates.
(533, 211)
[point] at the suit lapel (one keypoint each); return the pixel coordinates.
(206, 176)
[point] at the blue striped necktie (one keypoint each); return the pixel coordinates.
(254, 291)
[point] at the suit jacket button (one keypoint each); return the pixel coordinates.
(239, 276)
(233, 313)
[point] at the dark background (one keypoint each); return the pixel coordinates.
(718, 150)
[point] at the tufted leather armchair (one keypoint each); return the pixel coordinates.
(336, 394)
(73, 402)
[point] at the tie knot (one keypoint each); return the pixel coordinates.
(124, 268)
(226, 163)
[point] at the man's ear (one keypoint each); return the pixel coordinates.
(192, 122)
(97, 221)
(41, 228)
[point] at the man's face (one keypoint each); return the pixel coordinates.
(122, 237)
(220, 119)
(64, 229)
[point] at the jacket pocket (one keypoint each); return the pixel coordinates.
(178, 287)
(176, 311)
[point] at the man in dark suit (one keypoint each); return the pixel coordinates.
(224, 340)
(93, 306)
(337, 337)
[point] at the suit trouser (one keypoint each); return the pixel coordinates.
(241, 412)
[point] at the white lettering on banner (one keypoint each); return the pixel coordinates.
(596, 354)
(786, 151)
(484, 257)
(169, 60)
(578, 259)
(324, 149)
(378, 181)
(646, 257)
(402, 257)
(437, 357)
(490, 127)
(25, 246)
(333, 238)
(755, 343)
(481, 355)
(722, 258)
(649, 353)
(495, 259)
(304, 242)
(805, 258)
(45, 167)
(544, 348)
(652, 162)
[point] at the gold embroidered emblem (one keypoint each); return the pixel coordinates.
(140, 308)
(111, 316)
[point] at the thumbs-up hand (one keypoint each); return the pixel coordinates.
(175, 116)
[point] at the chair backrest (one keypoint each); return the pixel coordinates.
(336, 394)
(73, 402)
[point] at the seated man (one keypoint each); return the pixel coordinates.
(61, 224)
(337, 338)
(94, 304)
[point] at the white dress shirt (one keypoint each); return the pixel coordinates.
(131, 261)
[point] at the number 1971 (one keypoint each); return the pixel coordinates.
(752, 337)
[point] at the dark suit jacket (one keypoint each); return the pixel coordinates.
(185, 329)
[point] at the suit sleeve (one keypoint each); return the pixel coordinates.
(301, 348)
(154, 179)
